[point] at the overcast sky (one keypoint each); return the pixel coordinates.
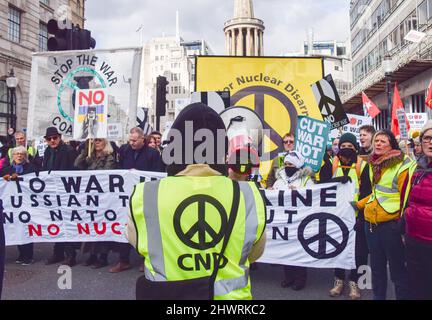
(114, 22)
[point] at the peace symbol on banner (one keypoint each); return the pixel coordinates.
(328, 247)
(261, 94)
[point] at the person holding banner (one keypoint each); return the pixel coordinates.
(59, 157)
(20, 165)
(418, 219)
(293, 175)
(135, 155)
(288, 145)
(388, 171)
(2, 248)
(347, 164)
(101, 158)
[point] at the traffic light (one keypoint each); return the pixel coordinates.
(65, 38)
(62, 37)
(161, 91)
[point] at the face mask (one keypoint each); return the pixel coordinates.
(290, 171)
(335, 150)
(348, 153)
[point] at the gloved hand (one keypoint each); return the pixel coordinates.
(343, 179)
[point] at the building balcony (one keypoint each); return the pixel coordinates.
(408, 61)
(239, 21)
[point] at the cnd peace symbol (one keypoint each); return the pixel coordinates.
(201, 227)
(327, 246)
(259, 93)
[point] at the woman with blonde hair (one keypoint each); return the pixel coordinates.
(101, 158)
(20, 165)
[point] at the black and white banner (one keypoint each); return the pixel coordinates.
(311, 227)
(69, 206)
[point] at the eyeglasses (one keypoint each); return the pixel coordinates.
(288, 141)
(54, 138)
(427, 139)
(98, 140)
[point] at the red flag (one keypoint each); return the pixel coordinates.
(397, 104)
(429, 96)
(369, 107)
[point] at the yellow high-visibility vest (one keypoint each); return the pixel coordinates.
(179, 223)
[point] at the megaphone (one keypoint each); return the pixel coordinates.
(244, 131)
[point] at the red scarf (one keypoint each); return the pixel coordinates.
(378, 163)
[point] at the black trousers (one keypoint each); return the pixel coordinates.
(361, 254)
(296, 274)
(419, 267)
(2, 249)
(26, 251)
(123, 249)
(62, 248)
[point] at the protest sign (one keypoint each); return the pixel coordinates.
(355, 122)
(311, 141)
(91, 114)
(311, 227)
(69, 206)
(417, 120)
(329, 102)
(115, 131)
(57, 76)
(401, 118)
(277, 89)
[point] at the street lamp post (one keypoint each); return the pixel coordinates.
(388, 69)
(12, 83)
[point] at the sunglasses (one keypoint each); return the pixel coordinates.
(54, 138)
(288, 141)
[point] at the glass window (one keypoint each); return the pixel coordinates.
(422, 13)
(43, 37)
(14, 24)
(429, 5)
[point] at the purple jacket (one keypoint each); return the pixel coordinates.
(418, 214)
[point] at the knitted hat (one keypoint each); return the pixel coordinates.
(191, 119)
(348, 137)
(427, 127)
(295, 158)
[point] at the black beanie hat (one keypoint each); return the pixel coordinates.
(202, 117)
(348, 137)
(393, 142)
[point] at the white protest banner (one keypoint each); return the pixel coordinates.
(57, 76)
(91, 114)
(41, 146)
(401, 116)
(417, 120)
(69, 206)
(311, 227)
(311, 140)
(115, 131)
(355, 122)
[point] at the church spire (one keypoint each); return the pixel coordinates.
(243, 9)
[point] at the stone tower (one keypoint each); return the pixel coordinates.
(244, 34)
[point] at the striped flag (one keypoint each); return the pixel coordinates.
(143, 121)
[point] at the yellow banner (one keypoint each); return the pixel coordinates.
(277, 89)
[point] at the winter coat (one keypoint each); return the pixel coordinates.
(300, 179)
(418, 213)
(28, 168)
(105, 162)
(59, 159)
(145, 159)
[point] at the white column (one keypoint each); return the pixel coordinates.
(262, 43)
(232, 49)
(227, 43)
(256, 45)
(248, 42)
(241, 39)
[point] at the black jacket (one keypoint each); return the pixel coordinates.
(63, 158)
(145, 159)
(9, 169)
(2, 247)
